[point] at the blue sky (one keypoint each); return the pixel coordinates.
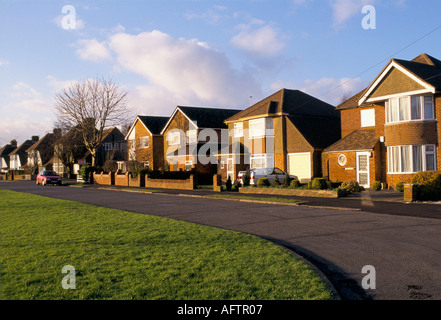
(199, 52)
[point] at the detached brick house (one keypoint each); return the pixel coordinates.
(390, 130)
(288, 130)
(145, 142)
(183, 140)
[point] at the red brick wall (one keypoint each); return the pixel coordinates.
(411, 133)
(104, 179)
(438, 116)
(188, 184)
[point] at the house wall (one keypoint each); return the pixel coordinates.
(411, 133)
(154, 154)
(180, 122)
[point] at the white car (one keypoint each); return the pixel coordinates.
(269, 173)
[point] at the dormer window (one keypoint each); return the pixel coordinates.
(413, 108)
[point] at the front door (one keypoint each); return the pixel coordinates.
(230, 169)
(363, 169)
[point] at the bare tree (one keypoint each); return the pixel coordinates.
(91, 106)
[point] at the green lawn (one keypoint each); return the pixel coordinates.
(123, 255)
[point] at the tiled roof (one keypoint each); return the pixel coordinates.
(154, 124)
(292, 102)
(320, 132)
(362, 139)
(208, 117)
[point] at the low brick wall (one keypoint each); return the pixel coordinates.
(188, 184)
(22, 177)
(138, 181)
(291, 192)
(104, 179)
(122, 180)
(410, 192)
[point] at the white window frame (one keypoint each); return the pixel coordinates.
(257, 133)
(367, 118)
(108, 146)
(144, 142)
(174, 138)
(425, 153)
(268, 160)
(395, 113)
(238, 130)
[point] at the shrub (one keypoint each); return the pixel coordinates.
(429, 185)
(228, 184)
(139, 171)
(287, 181)
(246, 178)
(318, 184)
(342, 192)
(237, 184)
(85, 171)
(376, 186)
(295, 183)
(263, 182)
(399, 187)
(110, 166)
(275, 182)
(351, 186)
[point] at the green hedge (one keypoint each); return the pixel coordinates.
(429, 185)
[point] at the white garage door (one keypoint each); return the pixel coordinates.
(299, 164)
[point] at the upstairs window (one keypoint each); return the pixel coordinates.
(367, 118)
(409, 109)
(143, 142)
(174, 138)
(238, 130)
(108, 146)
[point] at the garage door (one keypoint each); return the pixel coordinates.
(300, 165)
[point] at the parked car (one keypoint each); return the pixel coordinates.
(269, 173)
(48, 177)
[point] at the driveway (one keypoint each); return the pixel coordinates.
(404, 250)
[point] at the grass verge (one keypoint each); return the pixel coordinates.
(123, 255)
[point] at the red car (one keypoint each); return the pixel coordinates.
(48, 177)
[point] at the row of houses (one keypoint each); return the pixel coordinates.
(387, 132)
(50, 152)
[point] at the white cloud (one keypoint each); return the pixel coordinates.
(258, 38)
(3, 62)
(91, 49)
(26, 98)
(179, 71)
(343, 10)
(330, 90)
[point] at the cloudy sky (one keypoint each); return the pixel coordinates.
(212, 53)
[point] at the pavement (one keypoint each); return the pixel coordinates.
(338, 236)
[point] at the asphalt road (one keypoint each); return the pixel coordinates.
(404, 250)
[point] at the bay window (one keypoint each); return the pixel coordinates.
(411, 159)
(409, 108)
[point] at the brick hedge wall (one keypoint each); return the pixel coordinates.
(188, 184)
